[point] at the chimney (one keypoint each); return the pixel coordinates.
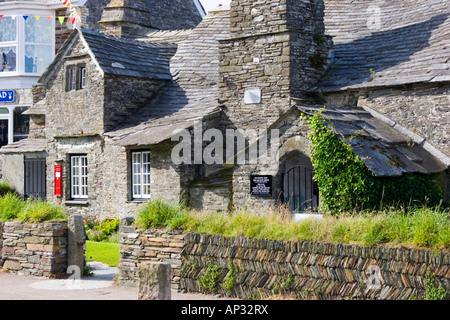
(123, 18)
(133, 19)
(277, 50)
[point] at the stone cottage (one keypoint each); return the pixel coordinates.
(145, 107)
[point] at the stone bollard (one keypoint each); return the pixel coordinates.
(76, 241)
(154, 281)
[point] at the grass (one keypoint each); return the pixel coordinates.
(13, 207)
(104, 252)
(420, 227)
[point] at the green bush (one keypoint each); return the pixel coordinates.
(39, 211)
(10, 206)
(108, 226)
(157, 213)
(5, 188)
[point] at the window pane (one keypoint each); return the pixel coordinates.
(38, 31)
(21, 124)
(8, 59)
(3, 133)
(37, 58)
(7, 29)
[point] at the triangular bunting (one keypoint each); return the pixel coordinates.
(61, 20)
(13, 17)
(37, 17)
(49, 18)
(72, 20)
(1, 16)
(25, 17)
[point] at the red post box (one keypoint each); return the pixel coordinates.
(58, 180)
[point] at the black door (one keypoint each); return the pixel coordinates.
(35, 178)
(300, 190)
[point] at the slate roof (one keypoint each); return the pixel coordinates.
(25, 146)
(410, 46)
(130, 58)
(118, 56)
(385, 150)
(190, 96)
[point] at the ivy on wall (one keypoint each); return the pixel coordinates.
(346, 184)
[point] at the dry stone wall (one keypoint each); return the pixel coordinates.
(34, 249)
(258, 268)
(156, 245)
(311, 269)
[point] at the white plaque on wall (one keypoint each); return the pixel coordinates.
(252, 96)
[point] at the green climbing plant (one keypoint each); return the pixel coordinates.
(347, 184)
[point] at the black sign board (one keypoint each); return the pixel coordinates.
(261, 186)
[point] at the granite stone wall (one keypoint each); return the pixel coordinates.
(34, 249)
(311, 270)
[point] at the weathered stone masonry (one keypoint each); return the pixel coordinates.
(300, 269)
(34, 249)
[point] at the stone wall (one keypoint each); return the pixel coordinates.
(311, 269)
(35, 249)
(158, 245)
(423, 110)
(1, 242)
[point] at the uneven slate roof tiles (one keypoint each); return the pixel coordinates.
(126, 58)
(384, 150)
(385, 43)
(191, 96)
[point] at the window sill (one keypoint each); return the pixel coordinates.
(76, 202)
(138, 200)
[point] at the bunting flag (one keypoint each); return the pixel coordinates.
(1, 16)
(25, 17)
(61, 20)
(37, 17)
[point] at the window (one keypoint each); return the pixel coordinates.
(14, 125)
(71, 78)
(27, 45)
(83, 77)
(76, 77)
(8, 44)
(38, 44)
(140, 166)
(79, 177)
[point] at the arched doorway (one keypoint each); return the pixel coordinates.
(299, 190)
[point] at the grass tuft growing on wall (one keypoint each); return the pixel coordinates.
(418, 227)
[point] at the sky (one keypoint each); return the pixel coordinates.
(212, 4)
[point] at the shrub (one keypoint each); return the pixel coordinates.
(157, 213)
(10, 206)
(39, 211)
(108, 226)
(5, 188)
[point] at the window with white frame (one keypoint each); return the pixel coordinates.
(75, 77)
(140, 167)
(8, 45)
(78, 177)
(27, 45)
